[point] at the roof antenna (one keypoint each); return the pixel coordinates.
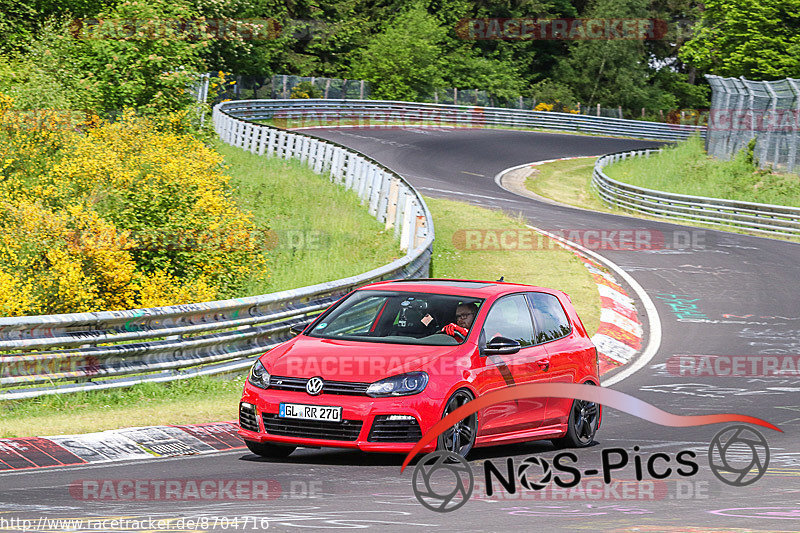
(501, 278)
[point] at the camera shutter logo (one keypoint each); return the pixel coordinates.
(738, 455)
(525, 470)
(314, 386)
(442, 481)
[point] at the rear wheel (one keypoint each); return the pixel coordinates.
(582, 425)
(272, 451)
(459, 438)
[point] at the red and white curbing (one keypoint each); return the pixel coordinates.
(619, 337)
(117, 445)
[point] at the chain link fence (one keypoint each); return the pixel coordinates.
(767, 111)
(284, 86)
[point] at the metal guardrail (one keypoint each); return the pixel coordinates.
(762, 218)
(43, 354)
(381, 113)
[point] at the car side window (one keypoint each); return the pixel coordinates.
(509, 317)
(551, 320)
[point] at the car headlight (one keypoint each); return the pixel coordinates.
(401, 385)
(259, 377)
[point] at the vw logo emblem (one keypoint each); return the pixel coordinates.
(314, 386)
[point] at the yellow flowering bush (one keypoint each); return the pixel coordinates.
(541, 106)
(119, 215)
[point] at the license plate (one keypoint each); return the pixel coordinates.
(310, 412)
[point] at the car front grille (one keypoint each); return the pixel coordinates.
(350, 388)
(386, 430)
(312, 429)
(247, 417)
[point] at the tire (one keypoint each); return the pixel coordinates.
(584, 417)
(272, 451)
(460, 438)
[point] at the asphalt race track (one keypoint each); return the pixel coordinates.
(716, 293)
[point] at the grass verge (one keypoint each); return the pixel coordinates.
(687, 169)
(320, 232)
(569, 182)
(211, 399)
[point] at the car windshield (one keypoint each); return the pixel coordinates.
(398, 317)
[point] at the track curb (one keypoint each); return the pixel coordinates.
(115, 445)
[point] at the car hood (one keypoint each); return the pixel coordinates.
(365, 362)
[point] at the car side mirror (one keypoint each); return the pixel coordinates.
(297, 329)
(501, 345)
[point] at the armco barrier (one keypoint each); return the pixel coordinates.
(377, 113)
(44, 354)
(763, 218)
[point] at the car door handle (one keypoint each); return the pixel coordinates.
(544, 364)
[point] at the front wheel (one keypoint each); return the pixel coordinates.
(459, 438)
(271, 451)
(582, 425)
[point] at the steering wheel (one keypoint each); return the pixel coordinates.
(456, 334)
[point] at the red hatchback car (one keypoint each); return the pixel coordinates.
(386, 362)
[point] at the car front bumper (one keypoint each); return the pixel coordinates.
(361, 410)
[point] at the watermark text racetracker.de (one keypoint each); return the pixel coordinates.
(560, 29)
(192, 490)
(734, 365)
(633, 239)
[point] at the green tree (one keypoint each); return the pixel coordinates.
(404, 61)
(147, 68)
(613, 72)
(751, 38)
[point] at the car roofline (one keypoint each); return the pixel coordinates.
(492, 288)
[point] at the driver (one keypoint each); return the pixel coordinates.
(465, 316)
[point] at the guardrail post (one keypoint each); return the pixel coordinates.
(400, 213)
(264, 135)
(336, 165)
(320, 157)
(350, 171)
(383, 192)
(420, 231)
(391, 207)
(407, 228)
(304, 148)
(363, 180)
(255, 133)
(375, 183)
(272, 144)
(291, 147)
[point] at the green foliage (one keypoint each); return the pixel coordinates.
(256, 46)
(613, 72)
(404, 61)
(147, 72)
(45, 75)
(751, 38)
(305, 89)
(321, 231)
(553, 92)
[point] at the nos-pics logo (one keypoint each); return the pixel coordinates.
(443, 481)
